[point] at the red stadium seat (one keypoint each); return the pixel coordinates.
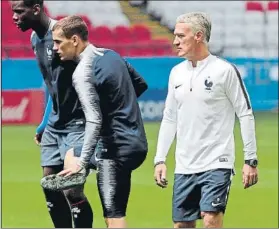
(127, 41)
(16, 36)
(6, 10)
(122, 34)
(8, 28)
(136, 51)
(7, 17)
(254, 6)
(143, 48)
(120, 48)
(101, 35)
(140, 33)
(3, 53)
(162, 47)
(5, 5)
(272, 5)
(20, 52)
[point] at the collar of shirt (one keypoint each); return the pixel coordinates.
(200, 63)
(86, 52)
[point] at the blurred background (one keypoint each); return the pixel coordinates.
(243, 32)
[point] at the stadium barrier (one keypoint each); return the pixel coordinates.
(22, 107)
(260, 77)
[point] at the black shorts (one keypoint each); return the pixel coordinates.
(114, 183)
(114, 180)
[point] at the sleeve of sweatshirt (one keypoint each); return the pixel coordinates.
(238, 95)
(168, 125)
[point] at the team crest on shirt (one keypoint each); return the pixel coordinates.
(208, 84)
(49, 53)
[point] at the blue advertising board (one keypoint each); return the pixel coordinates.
(260, 77)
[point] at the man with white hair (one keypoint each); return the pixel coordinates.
(204, 93)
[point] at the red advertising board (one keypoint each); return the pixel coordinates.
(22, 107)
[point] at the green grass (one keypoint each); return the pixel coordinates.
(23, 203)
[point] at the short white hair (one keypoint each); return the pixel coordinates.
(199, 21)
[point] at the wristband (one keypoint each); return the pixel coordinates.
(159, 163)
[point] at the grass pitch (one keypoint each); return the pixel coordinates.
(23, 202)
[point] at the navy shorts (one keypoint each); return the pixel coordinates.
(202, 192)
(54, 146)
(114, 179)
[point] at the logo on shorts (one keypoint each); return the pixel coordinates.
(96, 158)
(216, 203)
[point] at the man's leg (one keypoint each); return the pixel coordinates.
(190, 224)
(215, 191)
(81, 209)
(212, 219)
(185, 201)
(114, 183)
(57, 204)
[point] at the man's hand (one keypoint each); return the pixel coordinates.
(72, 169)
(38, 138)
(71, 177)
(249, 176)
(160, 175)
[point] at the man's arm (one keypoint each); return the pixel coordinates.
(168, 125)
(166, 135)
(40, 129)
(237, 94)
(48, 109)
(89, 99)
(139, 83)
